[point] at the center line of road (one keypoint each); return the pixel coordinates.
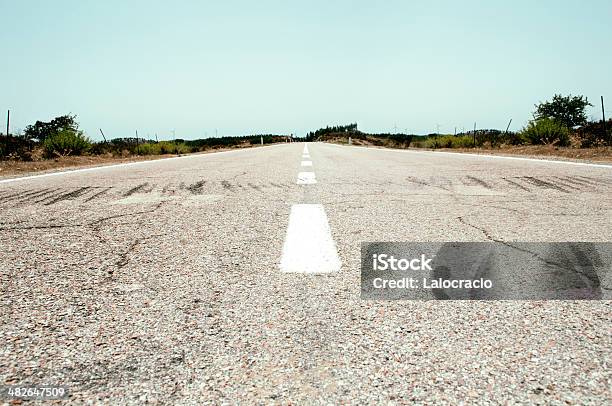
(306, 178)
(306, 149)
(309, 246)
(306, 163)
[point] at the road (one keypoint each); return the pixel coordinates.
(179, 280)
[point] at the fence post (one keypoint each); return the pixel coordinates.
(603, 118)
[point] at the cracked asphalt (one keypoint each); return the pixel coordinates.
(159, 282)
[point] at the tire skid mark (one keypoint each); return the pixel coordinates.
(412, 179)
(583, 180)
(226, 185)
(21, 195)
(279, 186)
(196, 188)
(255, 187)
(10, 197)
(136, 189)
(479, 182)
(70, 195)
(596, 182)
(97, 195)
(544, 184)
(518, 185)
(420, 182)
(37, 195)
(568, 179)
(50, 196)
(567, 183)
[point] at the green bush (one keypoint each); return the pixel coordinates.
(66, 142)
(449, 141)
(166, 147)
(546, 131)
(183, 148)
(462, 141)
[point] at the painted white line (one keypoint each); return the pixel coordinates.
(306, 163)
(306, 178)
(306, 156)
(486, 156)
(309, 246)
(305, 149)
(97, 168)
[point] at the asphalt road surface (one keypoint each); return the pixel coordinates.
(181, 280)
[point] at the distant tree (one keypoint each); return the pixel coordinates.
(42, 130)
(567, 110)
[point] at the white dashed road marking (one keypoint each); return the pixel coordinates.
(309, 246)
(305, 149)
(306, 178)
(306, 163)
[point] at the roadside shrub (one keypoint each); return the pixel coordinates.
(514, 138)
(449, 141)
(401, 139)
(546, 131)
(66, 142)
(166, 148)
(183, 148)
(16, 148)
(592, 134)
(147, 149)
(462, 141)
(434, 142)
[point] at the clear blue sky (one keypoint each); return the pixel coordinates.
(288, 66)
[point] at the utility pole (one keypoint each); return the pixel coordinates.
(156, 140)
(103, 137)
(474, 134)
(603, 120)
(508, 127)
(261, 136)
(175, 144)
(8, 119)
(455, 131)
(137, 147)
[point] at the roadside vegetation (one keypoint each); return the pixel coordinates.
(344, 132)
(61, 138)
(559, 123)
